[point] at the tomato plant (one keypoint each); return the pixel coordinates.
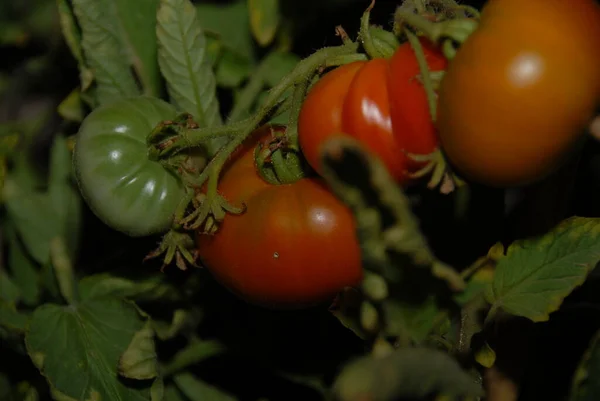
(521, 90)
(295, 245)
(379, 102)
(121, 185)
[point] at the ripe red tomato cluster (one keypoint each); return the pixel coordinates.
(379, 102)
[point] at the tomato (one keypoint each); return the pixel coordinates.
(521, 90)
(294, 246)
(380, 103)
(126, 190)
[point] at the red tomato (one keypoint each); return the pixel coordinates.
(294, 246)
(379, 102)
(521, 90)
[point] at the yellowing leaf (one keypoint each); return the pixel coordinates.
(264, 20)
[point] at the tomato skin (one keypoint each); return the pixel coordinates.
(126, 190)
(520, 91)
(294, 246)
(378, 102)
(409, 107)
(321, 112)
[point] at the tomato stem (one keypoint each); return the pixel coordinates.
(425, 73)
(368, 41)
(303, 71)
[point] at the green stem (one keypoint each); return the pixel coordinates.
(301, 72)
(287, 173)
(345, 59)
(63, 269)
(425, 73)
(429, 28)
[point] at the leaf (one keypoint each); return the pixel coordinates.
(9, 291)
(11, 319)
(70, 30)
(77, 348)
(139, 361)
(104, 49)
(172, 393)
(184, 62)
(407, 373)
(415, 319)
(264, 20)
(586, 382)
(536, 275)
(166, 331)
(230, 23)
(25, 271)
(138, 20)
(39, 217)
(194, 353)
(197, 390)
(279, 64)
(157, 391)
(71, 108)
(35, 222)
(149, 288)
(64, 196)
(232, 69)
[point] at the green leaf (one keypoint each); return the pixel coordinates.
(104, 49)
(25, 271)
(415, 319)
(71, 108)
(194, 353)
(157, 391)
(70, 30)
(230, 23)
(166, 331)
(264, 20)
(138, 19)
(279, 64)
(232, 69)
(9, 291)
(39, 217)
(64, 196)
(586, 382)
(139, 361)
(34, 220)
(149, 288)
(77, 348)
(197, 390)
(172, 393)
(184, 62)
(536, 275)
(11, 319)
(407, 373)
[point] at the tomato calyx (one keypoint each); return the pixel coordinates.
(439, 171)
(177, 245)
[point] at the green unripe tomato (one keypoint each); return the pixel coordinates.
(120, 184)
